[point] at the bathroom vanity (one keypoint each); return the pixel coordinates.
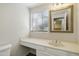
(43, 48)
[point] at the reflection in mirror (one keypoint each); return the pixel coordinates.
(61, 20)
(58, 23)
(36, 22)
(39, 21)
(45, 21)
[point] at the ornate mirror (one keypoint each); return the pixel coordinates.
(61, 20)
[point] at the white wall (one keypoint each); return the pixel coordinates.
(13, 25)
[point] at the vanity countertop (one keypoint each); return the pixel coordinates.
(67, 46)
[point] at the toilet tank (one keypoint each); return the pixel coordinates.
(5, 50)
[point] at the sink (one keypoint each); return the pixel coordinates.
(55, 42)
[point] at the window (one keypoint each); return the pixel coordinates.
(39, 21)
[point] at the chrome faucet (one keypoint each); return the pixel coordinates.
(55, 42)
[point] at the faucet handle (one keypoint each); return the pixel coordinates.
(54, 42)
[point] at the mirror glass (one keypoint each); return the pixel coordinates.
(61, 20)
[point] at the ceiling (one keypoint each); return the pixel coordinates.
(30, 5)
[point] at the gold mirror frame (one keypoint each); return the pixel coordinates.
(71, 19)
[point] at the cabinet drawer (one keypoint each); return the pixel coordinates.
(55, 52)
(42, 53)
(31, 45)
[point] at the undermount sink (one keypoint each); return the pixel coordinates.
(55, 42)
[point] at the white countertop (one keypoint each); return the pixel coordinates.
(67, 46)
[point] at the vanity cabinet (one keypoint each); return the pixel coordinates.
(44, 49)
